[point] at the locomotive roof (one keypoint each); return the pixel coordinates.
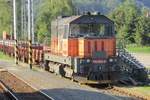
(92, 19)
(85, 19)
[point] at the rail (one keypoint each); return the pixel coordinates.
(8, 92)
(41, 92)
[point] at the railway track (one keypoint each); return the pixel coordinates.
(15, 89)
(116, 91)
(6, 94)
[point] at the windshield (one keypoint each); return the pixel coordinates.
(86, 30)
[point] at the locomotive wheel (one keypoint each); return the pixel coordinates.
(68, 72)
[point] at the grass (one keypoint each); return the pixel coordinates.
(138, 49)
(4, 57)
(7, 58)
(143, 89)
(148, 67)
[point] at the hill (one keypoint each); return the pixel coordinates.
(146, 3)
(103, 6)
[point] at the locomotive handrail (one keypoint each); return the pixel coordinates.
(139, 66)
(123, 53)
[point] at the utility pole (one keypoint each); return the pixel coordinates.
(15, 31)
(29, 34)
(22, 19)
(32, 21)
(25, 20)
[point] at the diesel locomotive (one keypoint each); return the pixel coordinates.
(83, 48)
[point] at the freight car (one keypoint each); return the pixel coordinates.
(7, 47)
(83, 48)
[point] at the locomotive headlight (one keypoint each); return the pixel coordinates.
(100, 67)
(88, 60)
(110, 60)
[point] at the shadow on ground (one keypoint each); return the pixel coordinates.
(76, 94)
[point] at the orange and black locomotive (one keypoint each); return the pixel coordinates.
(83, 48)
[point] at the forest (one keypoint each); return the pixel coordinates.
(131, 17)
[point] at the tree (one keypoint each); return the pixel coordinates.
(48, 11)
(125, 17)
(143, 31)
(5, 16)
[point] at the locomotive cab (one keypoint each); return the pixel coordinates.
(91, 27)
(84, 47)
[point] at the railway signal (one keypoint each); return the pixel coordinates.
(29, 34)
(15, 32)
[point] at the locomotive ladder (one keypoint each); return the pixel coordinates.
(135, 70)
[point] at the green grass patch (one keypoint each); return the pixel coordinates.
(148, 67)
(4, 57)
(143, 89)
(138, 49)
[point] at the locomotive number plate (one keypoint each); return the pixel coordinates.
(99, 61)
